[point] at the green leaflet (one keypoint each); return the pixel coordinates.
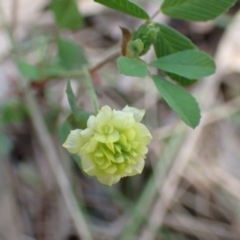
(192, 64)
(66, 14)
(70, 54)
(132, 67)
(179, 100)
(169, 41)
(196, 10)
(125, 6)
(29, 71)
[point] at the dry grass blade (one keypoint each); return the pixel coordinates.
(64, 185)
(170, 184)
(223, 179)
(202, 227)
(10, 224)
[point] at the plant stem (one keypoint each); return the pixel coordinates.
(68, 74)
(155, 14)
(104, 61)
(80, 73)
(91, 90)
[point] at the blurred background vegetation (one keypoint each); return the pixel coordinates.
(190, 187)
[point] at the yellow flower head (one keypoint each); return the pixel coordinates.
(113, 145)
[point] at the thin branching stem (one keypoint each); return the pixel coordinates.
(81, 73)
(155, 14)
(104, 61)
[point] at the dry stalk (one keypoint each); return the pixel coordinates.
(170, 184)
(203, 227)
(56, 165)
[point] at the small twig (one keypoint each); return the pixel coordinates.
(81, 73)
(201, 226)
(104, 61)
(155, 14)
(68, 74)
(222, 178)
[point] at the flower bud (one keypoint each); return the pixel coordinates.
(113, 145)
(135, 48)
(146, 33)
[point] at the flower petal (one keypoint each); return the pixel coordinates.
(128, 170)
(87, 133)
(138, 114)
(119, 159)
(99, 160)
(88, 166)
(143, 150)
(90, 146)
(142, 134)
(111, 146)
(103, 116)
(130, 134)
(91, 122)
(74, 141)
(107, 138)
(105, 165)
(138, 167)
(108, 179)
(123, 140)
(122, 120)
(112, 169)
